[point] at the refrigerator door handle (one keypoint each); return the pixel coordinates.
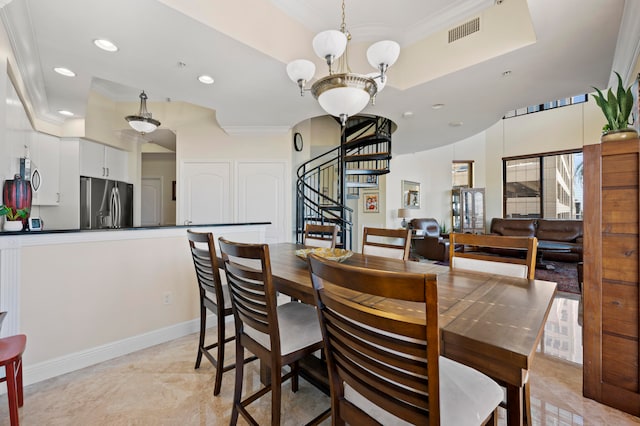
(85, 183)
(112, 207)
(118, 208)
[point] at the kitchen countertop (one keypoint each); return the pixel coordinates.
(134, 228)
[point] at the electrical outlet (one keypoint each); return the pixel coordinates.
(167, 298)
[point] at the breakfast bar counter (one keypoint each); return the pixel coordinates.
(87, 296)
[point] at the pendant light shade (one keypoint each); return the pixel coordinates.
(383, 52)
(343, 101)
(329, 44)
(143, 122)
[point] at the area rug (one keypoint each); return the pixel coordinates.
(565, 274)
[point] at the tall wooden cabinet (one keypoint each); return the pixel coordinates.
(611, 274)
(467, 210)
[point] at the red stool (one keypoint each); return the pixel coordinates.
(11, 349)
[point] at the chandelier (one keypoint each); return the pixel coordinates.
(343, 93)
(142, 122)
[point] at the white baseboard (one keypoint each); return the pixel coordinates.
(78, 360)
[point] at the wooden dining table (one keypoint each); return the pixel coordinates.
(489, 322)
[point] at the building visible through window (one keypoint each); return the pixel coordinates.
(547, 105)
(548, 186)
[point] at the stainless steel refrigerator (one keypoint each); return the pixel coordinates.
(105, 203)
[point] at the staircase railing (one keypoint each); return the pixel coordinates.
(325, 182)
(318, 193)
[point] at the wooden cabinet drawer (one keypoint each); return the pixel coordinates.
(621, 213)
(620, 170)
(620, 258)
(620, 362)
(620, 309)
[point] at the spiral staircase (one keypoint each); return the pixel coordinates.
(324, 183)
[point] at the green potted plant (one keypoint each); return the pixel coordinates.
(616, 109)
(13, 221)
(443, 228)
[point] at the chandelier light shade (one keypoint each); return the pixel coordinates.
(301, 71)
(329, 45)
(343, 93)
(143, 122)
(382, 55)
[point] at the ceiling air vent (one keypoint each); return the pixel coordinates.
(464, 30)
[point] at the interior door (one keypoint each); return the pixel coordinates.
(205, 196)
(151, 200)
(261, 197)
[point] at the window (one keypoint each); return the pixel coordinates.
(545, 185)
(547, 105)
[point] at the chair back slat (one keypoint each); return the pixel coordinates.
(324, 236)
(413, 346)
(390, 360)
(362, 342)
(469, 254)
(253, 297)
(393, 243)
(204, 268)
(205, 262)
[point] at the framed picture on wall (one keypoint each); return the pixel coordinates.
(410, 194)
(370, 202)
(462, 174)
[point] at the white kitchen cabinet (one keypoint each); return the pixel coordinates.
(117, 163)
(101, 161)
(45, 170)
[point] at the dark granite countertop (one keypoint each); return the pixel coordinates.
(134, 228)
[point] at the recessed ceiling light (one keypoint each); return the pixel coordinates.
(64, 71)
(65, 112)
(407, 114)
(105, 45)
(437, 106)
(455, 123)
(206, 79)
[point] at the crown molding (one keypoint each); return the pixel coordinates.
(255, 130)
(17, 22)
(628, 44)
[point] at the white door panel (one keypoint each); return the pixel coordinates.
(151, 201)
(261, 189)
(205, 193)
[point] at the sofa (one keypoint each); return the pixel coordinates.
(558, 239)
(427, 241)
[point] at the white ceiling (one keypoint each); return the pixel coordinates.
(575, 49)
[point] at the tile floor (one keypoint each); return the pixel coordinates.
(158, 386)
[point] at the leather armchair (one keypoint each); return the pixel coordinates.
(427, 241)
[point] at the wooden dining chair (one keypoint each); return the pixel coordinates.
(386, 368)
(316, 235)
(480, 254)
(277, 334)
(522, 264)
(11, 350)
(393, 243)
(214, 298)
